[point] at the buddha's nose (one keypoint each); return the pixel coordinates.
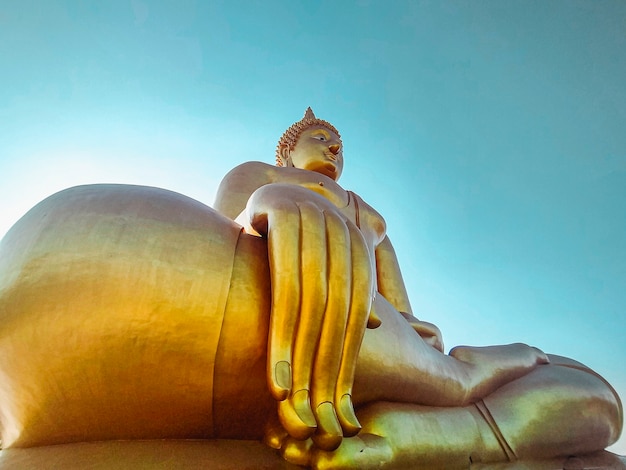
(334, 148)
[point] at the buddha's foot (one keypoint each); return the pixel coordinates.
(495, 366)
(516, 354)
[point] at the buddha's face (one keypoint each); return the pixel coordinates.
(318, 149)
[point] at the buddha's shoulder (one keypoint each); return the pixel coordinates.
(247, 177)
(252, 170)
(255, 165)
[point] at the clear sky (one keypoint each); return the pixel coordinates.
(491, 135)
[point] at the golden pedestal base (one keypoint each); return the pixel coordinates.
(146, 455)
(224, 455)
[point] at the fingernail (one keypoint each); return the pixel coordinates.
(329, 433)
(347, 418)
(282, 374)
(302, 405)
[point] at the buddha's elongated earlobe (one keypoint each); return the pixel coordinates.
(285, 156)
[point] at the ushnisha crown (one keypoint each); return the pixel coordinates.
(290, 137)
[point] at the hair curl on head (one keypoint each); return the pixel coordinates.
(290, 137)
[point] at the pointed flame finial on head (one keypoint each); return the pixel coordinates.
(290, 137)
(308, 114)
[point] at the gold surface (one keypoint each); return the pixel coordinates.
(136, 313)
(147, 455)
(231, 454)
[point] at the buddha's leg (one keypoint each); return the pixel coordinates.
(412, 436)
(563, 408)
(555, 410)
(396, 364)
(393, 366)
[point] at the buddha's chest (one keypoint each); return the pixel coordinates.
(321, 184)
(368, 220)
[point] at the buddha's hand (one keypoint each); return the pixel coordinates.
(429, 332)
(322, 288)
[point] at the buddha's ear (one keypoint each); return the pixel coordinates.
(284, 154)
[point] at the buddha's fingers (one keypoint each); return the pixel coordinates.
(300, 421)
(283, 234)
(360, 308)
(330, 346)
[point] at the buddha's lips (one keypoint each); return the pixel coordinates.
(331, 155)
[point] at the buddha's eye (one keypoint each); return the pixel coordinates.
(320, 137)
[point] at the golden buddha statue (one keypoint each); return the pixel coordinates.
(135, 313)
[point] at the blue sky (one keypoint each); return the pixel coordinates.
(489, 134)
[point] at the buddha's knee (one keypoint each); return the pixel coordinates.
(560, 408)
(112, 302)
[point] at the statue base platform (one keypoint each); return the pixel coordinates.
(146, 455)
(222, 455)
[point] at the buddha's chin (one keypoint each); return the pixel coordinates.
(327, 168)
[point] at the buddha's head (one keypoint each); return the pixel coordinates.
(311, 144)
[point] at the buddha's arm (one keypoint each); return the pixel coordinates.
(322, 288)
(390, 282)
(391, 286)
